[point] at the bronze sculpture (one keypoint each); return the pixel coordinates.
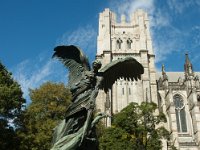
(76, 132)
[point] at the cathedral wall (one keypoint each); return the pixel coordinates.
(182, 140)
(119, 39)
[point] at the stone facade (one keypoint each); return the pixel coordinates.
(179, 99)
(177, 94)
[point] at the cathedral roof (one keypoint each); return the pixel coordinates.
(174, 76)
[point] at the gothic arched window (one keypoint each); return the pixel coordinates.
(119, 43)
(180, 113)
(129, 41)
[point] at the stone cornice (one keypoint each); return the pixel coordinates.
(124, 54)
(143, 51)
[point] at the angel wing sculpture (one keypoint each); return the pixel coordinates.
(77, 130)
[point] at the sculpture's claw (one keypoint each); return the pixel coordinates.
(91, 139)
(99, 116)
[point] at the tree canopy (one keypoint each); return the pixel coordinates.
(135, 128)
(11, 104)
(48, 107)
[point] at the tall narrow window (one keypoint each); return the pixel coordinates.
(129, 91)
(180, 113)
(129, 41)
(119, 43)
(122, 91)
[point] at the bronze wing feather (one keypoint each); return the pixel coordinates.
(74, 59)
(127, 68)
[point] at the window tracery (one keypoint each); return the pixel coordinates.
(119, 43)
(180, 113)
(129, 42)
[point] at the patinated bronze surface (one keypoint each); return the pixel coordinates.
(77, 130)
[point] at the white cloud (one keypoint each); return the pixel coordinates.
(195, 45)
(129, 6)
(197, 2)
(166, 43)
(196, 38)
(30, 74)
(166, 37)
(159, 19)
(84, 37)
(179, 6)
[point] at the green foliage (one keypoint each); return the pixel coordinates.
(11, 100)
(99, 128)
(11, 104)
(134, 128)
(116, 139)
(48, 107)
(50, 100)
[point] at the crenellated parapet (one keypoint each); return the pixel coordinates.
(130, 34)
(127, 36)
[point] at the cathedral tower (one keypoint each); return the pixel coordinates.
(119, 39)
(176, 93)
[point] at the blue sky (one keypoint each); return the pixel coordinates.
(30, 29)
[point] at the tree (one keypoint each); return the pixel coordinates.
(115, 138)
(48, 107)
(135, 128)
(11, 104)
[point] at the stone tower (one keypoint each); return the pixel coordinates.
(118, 39)
(176, 93)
